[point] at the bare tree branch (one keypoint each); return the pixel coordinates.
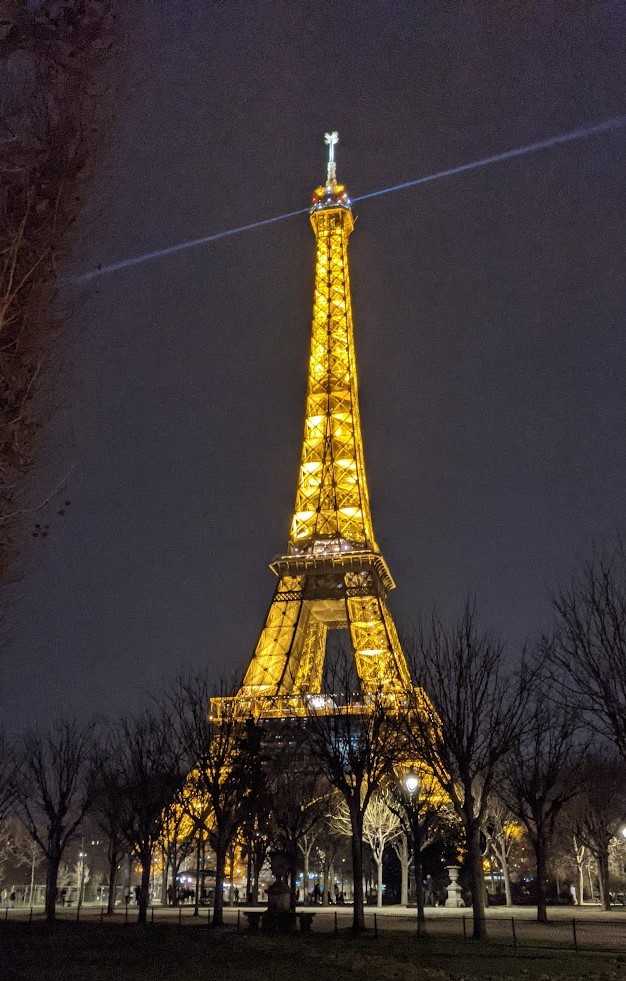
(356, 741)
(587, 649)
(55, 791)
(465, 724)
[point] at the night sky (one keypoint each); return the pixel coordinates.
(489, 314)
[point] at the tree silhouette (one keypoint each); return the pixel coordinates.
(464, 719)
(55, 791)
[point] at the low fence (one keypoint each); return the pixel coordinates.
(513, 932)
(577, 934)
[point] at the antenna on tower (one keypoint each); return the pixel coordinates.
(330, 139)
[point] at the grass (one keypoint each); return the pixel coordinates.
(87, 952)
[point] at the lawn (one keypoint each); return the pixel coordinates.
(88, 952)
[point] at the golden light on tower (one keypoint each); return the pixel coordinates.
(333, 576)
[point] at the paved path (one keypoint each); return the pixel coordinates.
(588, 911)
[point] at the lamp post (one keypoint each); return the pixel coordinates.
(412, 785)
(81, 886)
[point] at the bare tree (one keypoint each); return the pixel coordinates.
(149, 775)
(179, 838)
(55, 792)
(8, 776)
(356, 741)
(580, 851)
(596, 816)
(50, 116)
(17, 849)
(381, 826)
(256, 838)
(541, 777)
(329, 845)
(468, 727)
(588, 646)
(402, 849)
(224, 757)
(298, 795)
(502, 831)
(108, 811)
(425, 814)
(305, 846)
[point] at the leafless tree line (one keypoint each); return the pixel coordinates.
(498, 751)
(53, 113)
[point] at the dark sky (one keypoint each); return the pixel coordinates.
(489, 314)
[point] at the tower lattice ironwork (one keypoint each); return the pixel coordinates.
(332, 576)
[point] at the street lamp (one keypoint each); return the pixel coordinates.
(412, 784)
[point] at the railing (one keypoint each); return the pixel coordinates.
(301, 706)
(577, 933)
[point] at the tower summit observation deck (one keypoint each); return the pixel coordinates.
(332, 575)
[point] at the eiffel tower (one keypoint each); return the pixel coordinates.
(332, 576)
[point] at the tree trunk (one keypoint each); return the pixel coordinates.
(477, 882)
(255, 882)
(379, 881)
(259, 858)
(540, 857)
(196, 905)
(492, 878)
(356, 822)
(591, 890)
(164, 875)
(129, 878)
(403, 855)
(248, 873)
(293, 876)
(581, 885)
(417, 864)
(144, 889)
(218, 899)
(601, 887)
(112, 877)
(305, 876)
(602, 858)
(506, 875)
(231, 876)
(52, 874)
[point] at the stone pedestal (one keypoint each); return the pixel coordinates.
(278, 917)
(455, 899)
(278, 896)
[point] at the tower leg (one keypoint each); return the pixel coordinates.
(379, 658)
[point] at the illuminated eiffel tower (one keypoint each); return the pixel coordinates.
(332, 576)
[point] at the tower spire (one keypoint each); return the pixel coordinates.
(330, 139)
